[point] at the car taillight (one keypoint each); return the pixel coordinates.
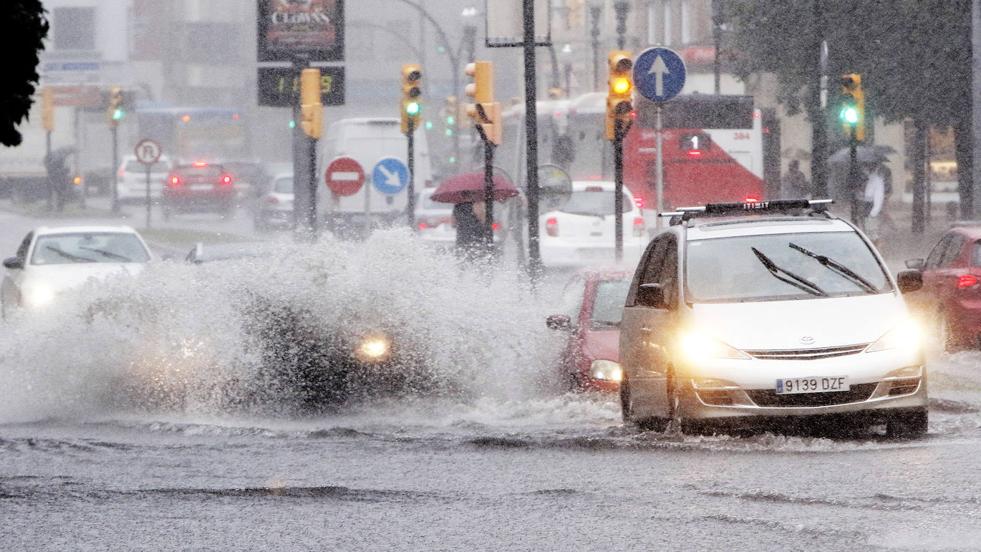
(496, 227)
(226, 180)
(423, 226)
(174, 181)
(967, 281)
(121, 173)
(751, 199)
(552, 227)
(639, 227)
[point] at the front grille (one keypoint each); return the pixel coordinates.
(807, 354)
(857, 393)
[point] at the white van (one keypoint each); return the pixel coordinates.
(368, 140)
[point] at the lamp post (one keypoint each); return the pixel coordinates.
(717, 19)
(595, 10)
(622, 8)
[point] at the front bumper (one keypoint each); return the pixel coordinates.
(739, 388)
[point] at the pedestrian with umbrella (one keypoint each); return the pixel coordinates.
(466, 192)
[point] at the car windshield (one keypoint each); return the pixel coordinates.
(596, 202)
(782, 266)
(283, 186)
(104, 247)
(608, 305)
(137, 167)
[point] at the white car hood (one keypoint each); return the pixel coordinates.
(62, 277)
(800, 324)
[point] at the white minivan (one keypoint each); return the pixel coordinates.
(368, 141)
(740, 313)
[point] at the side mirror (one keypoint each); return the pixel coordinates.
(916, 264)
(651, 295)
(559, 322)
(909, 280)
(13, 263)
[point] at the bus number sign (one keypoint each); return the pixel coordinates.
(280, 86)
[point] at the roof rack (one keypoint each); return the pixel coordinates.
(684, 214)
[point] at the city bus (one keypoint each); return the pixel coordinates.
(196, 133)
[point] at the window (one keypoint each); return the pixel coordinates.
(89, 248)
(74, 28)
(953, 251)
(660, 266)
(608, 303)
(933, 260)
(976, 256)
(24, 246)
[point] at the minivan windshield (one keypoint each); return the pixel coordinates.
(782, 266)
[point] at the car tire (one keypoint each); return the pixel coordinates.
(908, 425)
(626, 409)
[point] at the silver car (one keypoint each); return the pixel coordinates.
(783, 311)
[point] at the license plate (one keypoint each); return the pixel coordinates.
(814, 384)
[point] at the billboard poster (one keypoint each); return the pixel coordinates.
(301, 30)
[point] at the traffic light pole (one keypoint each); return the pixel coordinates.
(620, 132)
(853, 184)
(115, 168)
(659, 164)
(489, 196)
(47, 157)
(531, 137)
(411, 157)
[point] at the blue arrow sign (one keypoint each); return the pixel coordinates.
(390, 176)
(659, 74)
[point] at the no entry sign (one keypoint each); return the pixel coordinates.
(344, 176)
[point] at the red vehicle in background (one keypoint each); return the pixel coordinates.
(198, 187)
(592, 305)
(951, 295)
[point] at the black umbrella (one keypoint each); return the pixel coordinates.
(864, 154)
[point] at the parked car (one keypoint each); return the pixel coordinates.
(197, 187)
(274, 208)
(434, 221)
(951, 297)
(742, 312)
(592, 309)
(52, 261)
(133, 182)
(581, 233)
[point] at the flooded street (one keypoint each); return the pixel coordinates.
(498, 456)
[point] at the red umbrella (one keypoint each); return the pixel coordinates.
(470, 187)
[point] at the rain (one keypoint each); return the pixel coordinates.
(501, 274)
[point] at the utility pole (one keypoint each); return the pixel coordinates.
(594, 11)
(305, 157)
(819, 131)
(531, 135)
(976, 99)
(717, 43)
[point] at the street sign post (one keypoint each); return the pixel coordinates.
(344, 176)
(148, 152)
(390, 176)
(659, 76)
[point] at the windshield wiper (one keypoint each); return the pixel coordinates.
(837, 268)
(73, 258)
(787, 276)
(109, 254)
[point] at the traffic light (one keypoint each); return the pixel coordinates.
(116, 109)
(485, 112)
(311, 110)
(619, 98)
(411, 96)
(47, 108)
(450, 113)
(852, 114)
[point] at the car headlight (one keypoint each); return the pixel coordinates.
(906, 335)
(606, 370)
(698, 347)
(38, 296)
(375, 348)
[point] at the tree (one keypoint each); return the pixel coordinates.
(24, 27)
(914, 57)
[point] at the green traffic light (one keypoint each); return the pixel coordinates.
(849, 115)
(450, 120)
(413, 108)
(449, 132)
(118, 114)
(292, 124)
(429, 125)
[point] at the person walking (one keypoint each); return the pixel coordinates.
(794, 185)
(874, 198)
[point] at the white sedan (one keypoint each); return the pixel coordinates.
(51, 261)
(132, 179)
(581, 232)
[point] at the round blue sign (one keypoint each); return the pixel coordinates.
(390, 176)
(659, 74)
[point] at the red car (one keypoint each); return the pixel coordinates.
(951, 294)
(198, 187)
(592, 305)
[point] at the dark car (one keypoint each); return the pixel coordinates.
(198, 187)
(593, 306)
(317, 364)
(950, 299)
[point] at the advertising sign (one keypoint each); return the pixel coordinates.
(309, 30)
